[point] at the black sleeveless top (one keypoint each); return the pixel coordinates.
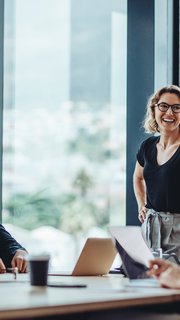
(162, 181)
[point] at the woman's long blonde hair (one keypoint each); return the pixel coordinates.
(150, 125)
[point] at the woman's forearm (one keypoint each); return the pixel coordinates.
(140, 192)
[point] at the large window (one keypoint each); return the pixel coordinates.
(64, 134)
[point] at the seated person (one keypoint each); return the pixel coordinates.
(167, 273)
(12, 254)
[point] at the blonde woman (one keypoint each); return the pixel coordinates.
(157, 172)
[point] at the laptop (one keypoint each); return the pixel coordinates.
(96, 258)
(134, 253)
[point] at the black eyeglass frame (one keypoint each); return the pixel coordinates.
(172, 106)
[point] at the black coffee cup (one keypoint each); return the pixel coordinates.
(38, 267)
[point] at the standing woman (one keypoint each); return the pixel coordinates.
(157, 172)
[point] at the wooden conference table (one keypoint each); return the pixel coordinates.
(104, 298)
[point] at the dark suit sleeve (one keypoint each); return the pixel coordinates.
(8, 246)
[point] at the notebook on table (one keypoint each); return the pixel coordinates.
(134, 253)
(95, 259)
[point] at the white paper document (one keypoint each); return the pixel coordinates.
(131, 239)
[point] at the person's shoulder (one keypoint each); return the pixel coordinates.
(145, 147)
(150, 141)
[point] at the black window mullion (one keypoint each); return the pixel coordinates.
(176, 40)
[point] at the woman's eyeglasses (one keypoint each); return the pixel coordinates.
(163, 107)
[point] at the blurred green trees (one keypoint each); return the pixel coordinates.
(74, 213)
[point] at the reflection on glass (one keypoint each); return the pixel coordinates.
(64, 122)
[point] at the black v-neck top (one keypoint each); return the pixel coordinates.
(162, 181)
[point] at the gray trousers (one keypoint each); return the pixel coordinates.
(162, 230)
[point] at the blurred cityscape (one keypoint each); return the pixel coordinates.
(64, 135)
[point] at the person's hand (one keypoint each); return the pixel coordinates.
(2, 267)
(157, 266)
(167, 273)
(142, 214)
(20, 261)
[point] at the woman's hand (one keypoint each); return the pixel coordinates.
(142, 214)
(2, 267)
(167, 273)
(20, 261)
(157, 266)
